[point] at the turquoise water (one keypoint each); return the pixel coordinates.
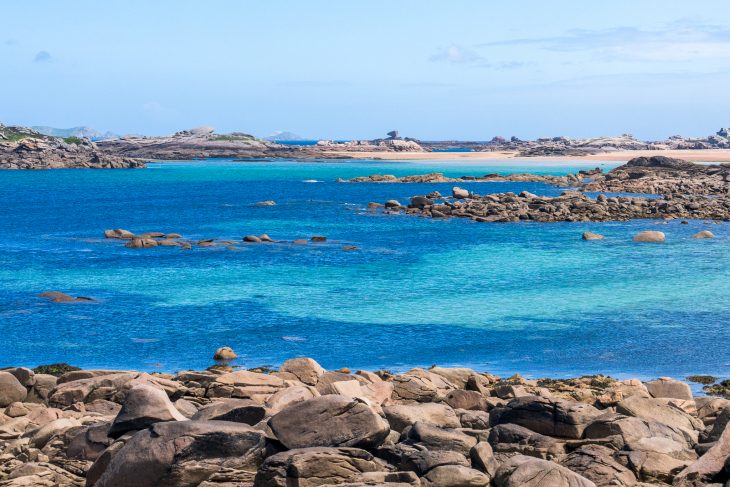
(518, 297)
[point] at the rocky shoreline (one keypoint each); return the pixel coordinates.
(304, 426)
(688, 191)
(22, 148)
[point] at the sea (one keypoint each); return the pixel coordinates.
(528, 298)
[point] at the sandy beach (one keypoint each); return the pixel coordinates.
(710, 155)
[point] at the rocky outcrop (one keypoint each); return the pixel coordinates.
(22, 148)
(436, 427)
(459, 193)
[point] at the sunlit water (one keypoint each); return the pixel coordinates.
(518, 297)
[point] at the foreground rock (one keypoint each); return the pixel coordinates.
(305, 426)
(331, 420)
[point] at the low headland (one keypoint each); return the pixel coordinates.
(302, 425)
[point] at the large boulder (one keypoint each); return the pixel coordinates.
(524, 471)
(185, 454)
(284, 398)
(670, 388)
(435, 438)
(112, 385)
(546, 416)
(401, 416)
(244, 384)
(513, 438)
(482, 458)
(305, 370)
(330, 421)
(459, 376)
(312, 467)
(596, 463)
(236, 410)
(709, 465)
(627, 429)
(11, 390)
(420, 386)
(144, 405)
(461, 399)
(661, 411)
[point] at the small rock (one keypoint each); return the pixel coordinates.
(266, 203)
(225, 353)
(459, 193)
(300, 241)
(650, 236)
(252, 239)
(592, 236)
(119, 234)
(704, 234)
(319, 238)
(392, 204)
(141, 243)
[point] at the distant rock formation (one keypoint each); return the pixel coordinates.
(24, 148)
(82, 132)
(284, 136)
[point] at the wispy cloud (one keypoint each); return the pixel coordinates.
(679, 41)
(10, 42)
(456, 55)
(42, 57)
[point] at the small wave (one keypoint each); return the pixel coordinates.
(293, 339)
(312, 181)
(145, 340)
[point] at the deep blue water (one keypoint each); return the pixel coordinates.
(518, 297)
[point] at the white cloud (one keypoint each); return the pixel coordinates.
(456, 55)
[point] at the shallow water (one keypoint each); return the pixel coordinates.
(518, 297)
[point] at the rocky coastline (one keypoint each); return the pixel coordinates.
(687, 190)
(304, 426)
(566, 146)
(22, 148)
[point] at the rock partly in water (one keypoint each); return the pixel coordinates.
(650, 236)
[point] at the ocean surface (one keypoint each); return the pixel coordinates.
(511, 297)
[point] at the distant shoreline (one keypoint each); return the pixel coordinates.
(694, 155)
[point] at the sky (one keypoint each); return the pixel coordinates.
(434, 70)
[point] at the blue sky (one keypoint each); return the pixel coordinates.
(357, 69)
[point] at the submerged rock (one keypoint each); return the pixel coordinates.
(592, 236)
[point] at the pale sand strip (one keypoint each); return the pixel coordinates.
(708, 155)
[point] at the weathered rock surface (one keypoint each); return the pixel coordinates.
(216, 428)
(184, 454)
(330, 421)
(522, 471)
(23, 148)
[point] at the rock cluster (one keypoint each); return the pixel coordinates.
(305, 426)
(22, 148)
(161, 239)
(570, 206)
(689, 191)
(437, 177)
(663, 175)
